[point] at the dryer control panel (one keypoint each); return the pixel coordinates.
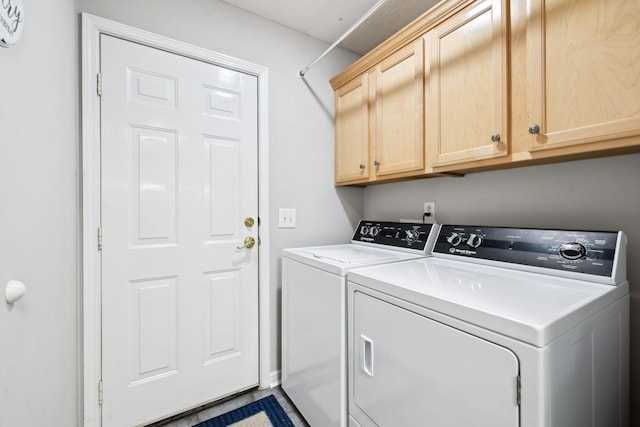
(395, 234)
(588, 252)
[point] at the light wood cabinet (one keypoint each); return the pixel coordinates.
(476, 85)
(379, 120)
(467, 86)
(583, 72)
(352, 131)
(398, 116)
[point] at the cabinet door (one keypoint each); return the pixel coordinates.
(398, 121)
(352, 131)
(466, 86)
(408, 370)
(583, 68)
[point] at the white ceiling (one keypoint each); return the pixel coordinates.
(327, 20)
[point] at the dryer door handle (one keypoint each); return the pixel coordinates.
(367, 355)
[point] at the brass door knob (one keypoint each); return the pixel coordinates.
(249, 242)
(248, 222)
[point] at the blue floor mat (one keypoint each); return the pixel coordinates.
(269, 404)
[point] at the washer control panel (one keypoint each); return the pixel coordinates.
(590, 252)
(397, 234)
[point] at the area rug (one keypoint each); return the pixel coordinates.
(265, 412)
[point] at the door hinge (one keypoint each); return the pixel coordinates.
(100, 392)
(518, 389)
(99, 239)
(99, 84)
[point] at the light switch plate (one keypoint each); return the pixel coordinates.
(287, 218)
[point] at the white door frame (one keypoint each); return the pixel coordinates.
(90, 346)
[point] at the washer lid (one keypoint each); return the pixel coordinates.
(530, 307)
(340, 259)
(350, 254)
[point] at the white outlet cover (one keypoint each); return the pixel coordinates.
(429, 207)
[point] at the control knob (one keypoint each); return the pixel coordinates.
(474, 240)
(412, 235)
(374, 231)
(364, 230)
(572, 251)
(454, 239)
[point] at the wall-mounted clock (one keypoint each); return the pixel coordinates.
(11, 22)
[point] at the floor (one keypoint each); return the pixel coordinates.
(194, 417)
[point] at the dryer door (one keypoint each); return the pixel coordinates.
(408, 370)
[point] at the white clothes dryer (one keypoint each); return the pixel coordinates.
(502, 327)
(314, 353)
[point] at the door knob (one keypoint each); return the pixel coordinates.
(248, 243)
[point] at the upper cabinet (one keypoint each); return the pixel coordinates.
(379, 120)
(467, 86)
(398, 119)
(583, 72)
(477, 85)
(352, 131)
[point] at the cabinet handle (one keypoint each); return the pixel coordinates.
(376, 163)
(533, 129)
(495, 137)
(367, 355)
(361, 166)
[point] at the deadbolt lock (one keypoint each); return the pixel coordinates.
(249, 222)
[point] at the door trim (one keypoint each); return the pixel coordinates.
(90, 343)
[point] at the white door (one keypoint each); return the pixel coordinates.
(179, 177)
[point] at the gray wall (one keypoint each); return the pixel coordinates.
(39, 218)
(39, 176)
(597, 194)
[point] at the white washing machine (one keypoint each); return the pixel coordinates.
(314, 339)
(502, 327)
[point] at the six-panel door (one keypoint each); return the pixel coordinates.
(179, 175)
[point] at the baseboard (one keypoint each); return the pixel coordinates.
(275, 379)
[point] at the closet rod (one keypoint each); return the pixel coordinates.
(342, 37)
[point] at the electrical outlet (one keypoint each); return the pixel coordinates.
(429, 212)
(287, 218)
